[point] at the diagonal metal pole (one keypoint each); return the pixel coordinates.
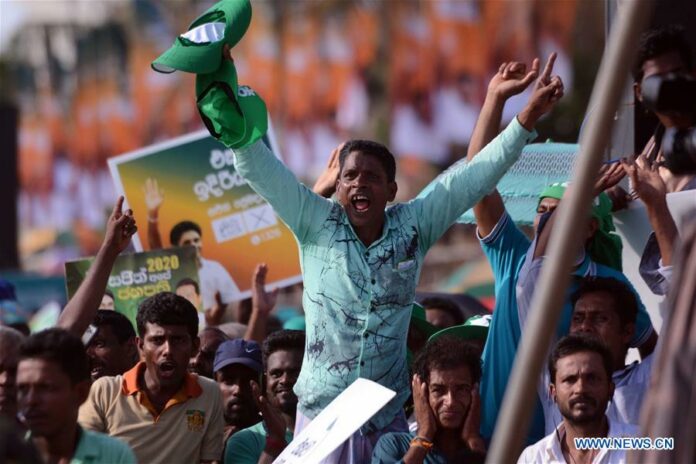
(548, 299)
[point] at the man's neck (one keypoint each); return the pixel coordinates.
(156, 392)
(368, 234)
(289, 421)
(599, 428)
(449, 442)
(58, 448)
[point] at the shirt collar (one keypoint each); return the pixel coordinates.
(131, 384)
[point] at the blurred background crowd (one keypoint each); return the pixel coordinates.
(408, 73)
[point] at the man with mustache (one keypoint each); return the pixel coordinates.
(110, 344)
(361, 261)
(161, 410)
(580, 368)
(446, 403)
(202, 363)
(263, 442)
(606, 309)
(237, 364)
(52, 381)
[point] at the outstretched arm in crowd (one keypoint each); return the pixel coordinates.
(262, 303)
(511, 79)
(154, 196)
(82, 308)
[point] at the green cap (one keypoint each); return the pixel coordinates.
(295, 323)
(199, 50)
(475, 328)
(419, 321)
(233, 114)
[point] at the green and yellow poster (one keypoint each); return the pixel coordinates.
(137, 276)
(192, 178)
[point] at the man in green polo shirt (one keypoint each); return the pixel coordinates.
(53, 380)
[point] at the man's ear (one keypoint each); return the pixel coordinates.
(552, 392)
(638, 91)
(81, 390)
(196, 343)
(592, 228)
(627, 333)
(139, 343)
(393, 188)
(132, 347)
(611, 390)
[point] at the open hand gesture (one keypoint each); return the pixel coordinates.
(154, 196)
(326, 183)
(120, 227)
(272, 417)
(512, 78)
(427, 426)
(645, 180)
(472, 423)
(609, 176)
(262, 301)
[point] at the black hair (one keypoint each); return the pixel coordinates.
(625, 301)
(445, 353)
(109, 293)
(661, 41)
(180, 229)
(120, 325)
(446, 305)
(370, 148)
(167, 308)
(283, 340)
(60, 347)
(580, 343)
(189, 281)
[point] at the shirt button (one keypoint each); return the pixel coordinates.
(362, 363)
(367, 254)
(373, 281)
(365, 335)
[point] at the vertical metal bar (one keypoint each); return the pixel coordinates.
(516, 410)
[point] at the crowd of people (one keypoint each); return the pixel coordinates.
(328, 72)
(97, 389)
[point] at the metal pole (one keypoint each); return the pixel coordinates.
(515, 413)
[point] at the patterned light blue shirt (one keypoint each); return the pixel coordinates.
(357, 299)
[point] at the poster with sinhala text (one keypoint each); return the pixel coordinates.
(186, 192)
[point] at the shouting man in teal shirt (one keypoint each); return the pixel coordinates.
(361, 260)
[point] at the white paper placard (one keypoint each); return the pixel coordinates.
(337, 422)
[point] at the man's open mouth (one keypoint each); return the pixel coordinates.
(167, 367)
(360, 203)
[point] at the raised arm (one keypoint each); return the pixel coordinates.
(651, 189)
(464, 184)
(154, 196)
(326, 183)
(81, 309)
(300, 208)
(510, 80)
(262, 303)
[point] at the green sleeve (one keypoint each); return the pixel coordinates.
(301, 209)
(464, 183)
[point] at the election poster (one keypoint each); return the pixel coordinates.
(138, 276)
(192, 179)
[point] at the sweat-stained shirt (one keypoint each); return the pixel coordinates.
(358, 299)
